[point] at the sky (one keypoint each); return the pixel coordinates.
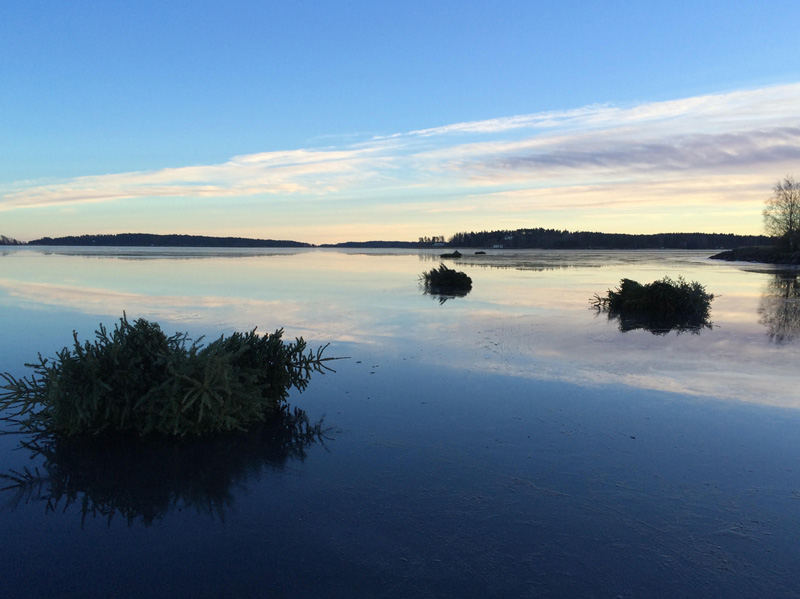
(333, 121)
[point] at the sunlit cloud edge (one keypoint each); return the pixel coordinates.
(741, 131)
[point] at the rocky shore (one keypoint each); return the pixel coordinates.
(762, 254)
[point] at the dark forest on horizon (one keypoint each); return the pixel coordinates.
(562, 239)
(154, 240)
(539, 238)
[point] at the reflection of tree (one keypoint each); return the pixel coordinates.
(660, 325)
(780, 307)
(134, 253)
(442, 295)
(145, 479)
(531, 262)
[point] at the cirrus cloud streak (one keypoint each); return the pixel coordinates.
(750, 135)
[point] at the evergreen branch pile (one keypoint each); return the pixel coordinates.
(136, 378)
(659, 306)
(446, 279)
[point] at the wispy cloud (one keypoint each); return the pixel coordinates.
(748, 133)
(626, 157)
(301, 171)
(745, 105)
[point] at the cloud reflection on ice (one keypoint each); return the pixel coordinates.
(527, 316)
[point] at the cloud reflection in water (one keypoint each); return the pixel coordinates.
(526, 316)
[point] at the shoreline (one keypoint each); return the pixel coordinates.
(760, 254)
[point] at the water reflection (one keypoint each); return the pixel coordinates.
(654, 322)
(145, 480)
(509, 261)
(779, 309)
(554, 260)
(162, 253)
(532, 324)
(659, 325)
(443, 295)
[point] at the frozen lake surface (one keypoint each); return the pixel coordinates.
(511, 442)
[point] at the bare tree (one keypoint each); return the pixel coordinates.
(782, 213)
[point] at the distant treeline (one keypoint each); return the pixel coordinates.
(556, 239)
(518, 239)
(8, 241)
(147, 239)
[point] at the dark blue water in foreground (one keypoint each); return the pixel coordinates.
(505, 444)
(472, 486)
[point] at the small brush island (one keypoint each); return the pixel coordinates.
(135, 379)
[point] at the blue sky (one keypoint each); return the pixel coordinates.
(333, 121)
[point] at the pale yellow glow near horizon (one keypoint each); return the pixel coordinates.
(701, 164)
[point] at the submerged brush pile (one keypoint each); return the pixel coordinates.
(137, 379)
(446, 281)
(659, 306)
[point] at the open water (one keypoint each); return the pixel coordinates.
(509, 443)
